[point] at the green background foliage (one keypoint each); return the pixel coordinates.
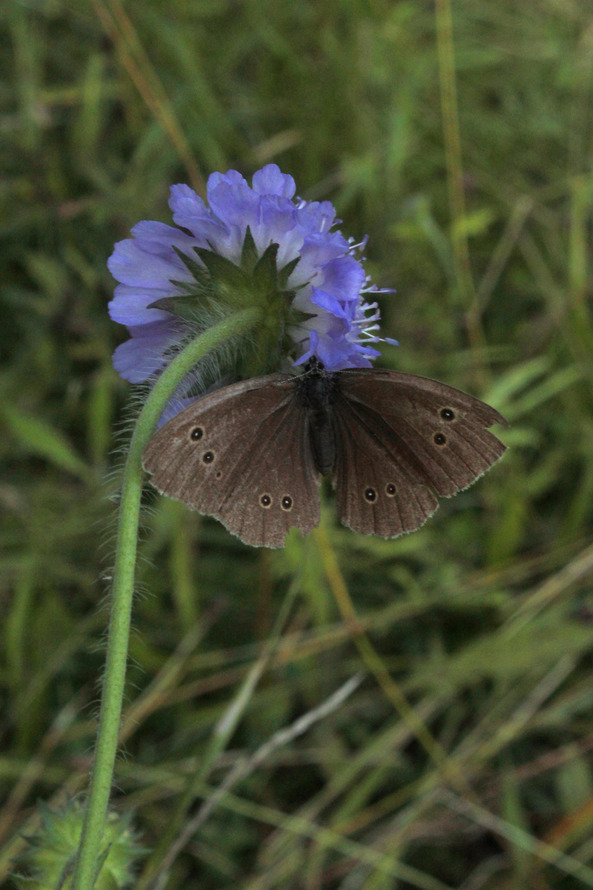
(465, 154)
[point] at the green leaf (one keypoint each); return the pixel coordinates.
(36, 436)
(286, 271)
(230, 283)
(183, 307)
(265, 271)
(199, 273)
(248, 251)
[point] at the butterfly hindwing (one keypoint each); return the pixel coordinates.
(378, 492)
(241, 454)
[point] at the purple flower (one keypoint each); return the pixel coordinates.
(246, 245)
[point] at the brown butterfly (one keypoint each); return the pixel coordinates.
(251, 454)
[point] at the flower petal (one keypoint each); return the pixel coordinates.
(190, 212)
(159, 238)
(230, 197)
(271, 181)
(344, 277)
(144, 353)
(131, 264)
(129, 304)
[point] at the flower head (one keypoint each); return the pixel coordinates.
(246, 245)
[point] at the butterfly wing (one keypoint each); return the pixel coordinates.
(378, 491)
(241, 454)
(402, 440)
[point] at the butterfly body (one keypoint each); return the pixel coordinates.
(317, 390)
(251, 454)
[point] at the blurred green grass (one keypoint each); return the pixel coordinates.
(446, 148)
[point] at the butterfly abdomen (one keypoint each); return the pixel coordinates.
(317, 394)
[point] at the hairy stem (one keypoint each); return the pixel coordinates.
(123, 587)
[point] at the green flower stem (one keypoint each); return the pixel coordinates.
(240, 323)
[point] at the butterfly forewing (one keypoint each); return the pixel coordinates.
(240, 454)
(440, 430)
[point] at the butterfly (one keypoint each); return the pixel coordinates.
(252, 454)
